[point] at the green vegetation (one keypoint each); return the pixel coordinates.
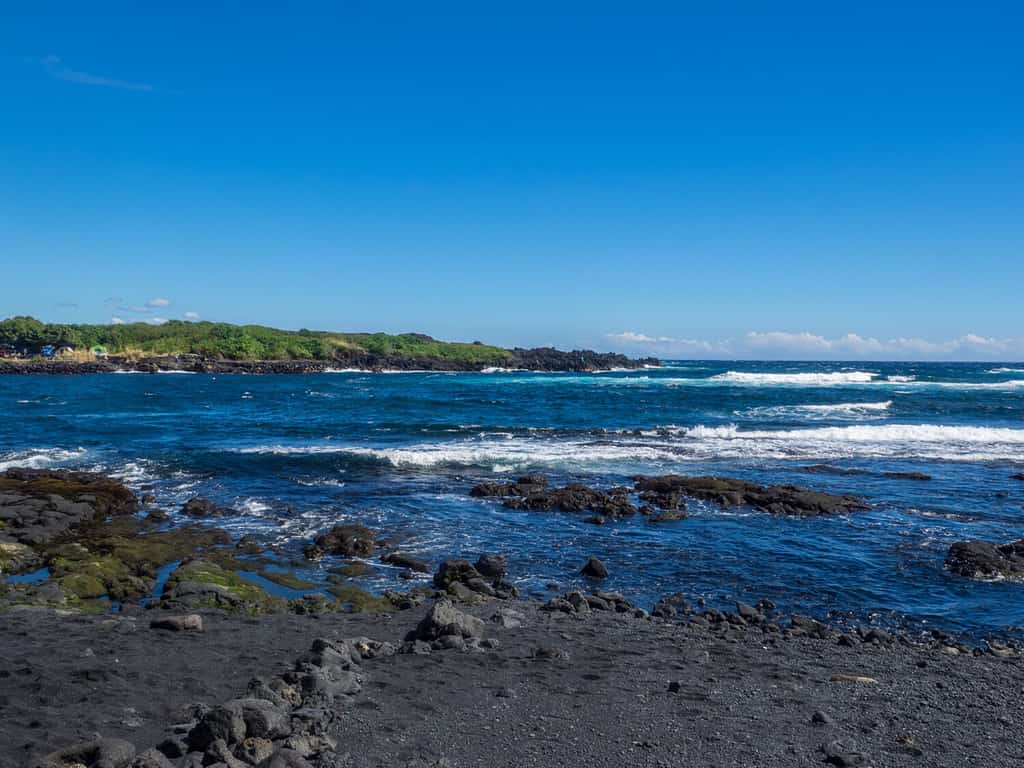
(360, 601)
(240, 342)
(288, 580)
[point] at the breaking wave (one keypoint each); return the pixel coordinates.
(39, 457)
(671, 445)
(838, 411)
(841, 377)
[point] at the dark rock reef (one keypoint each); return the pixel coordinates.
(984, 560)
(540, 359)
(663, 498)
(532, 493)
(727, 492)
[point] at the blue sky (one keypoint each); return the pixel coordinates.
(689, 179)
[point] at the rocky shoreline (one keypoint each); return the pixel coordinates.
(129, 606)
(541, 360)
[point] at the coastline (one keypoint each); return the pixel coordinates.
(534, 360)
(458, 672)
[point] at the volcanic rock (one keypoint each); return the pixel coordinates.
(983, 560)
(776, 499)
(344, 540)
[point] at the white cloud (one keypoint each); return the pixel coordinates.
(783, 345)
(56, 69)
(642, 338)
(158, 303)
(156, 320)
(191, 315)
(117, 321)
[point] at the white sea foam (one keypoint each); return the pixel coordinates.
(1006, 370)
(254, 506)
(36, 458)
(289, 450)
(875, 433)
(324, 482)
(814, 379)
(672, 445)
(840, 411)
(499, 369)
(896, 379)
(175, 370)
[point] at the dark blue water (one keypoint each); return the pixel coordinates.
(296, 454)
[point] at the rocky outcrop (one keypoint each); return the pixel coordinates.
(580, 360)
(579, 603)
(201, 507)
(204, 584)
(532, 494)
(984, 560)
(728, 492)
(539, 359)
(663, 498)
(345, 541)
(470, 583)
(38, 505)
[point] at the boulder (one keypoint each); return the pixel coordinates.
(191, 622)
(984, 560)
(202, 507)
(402, 560)
(345, 540)
(492, 566)
(221, 722)
(454, 570)
(594, 569)
(444, 619)
(671, 606)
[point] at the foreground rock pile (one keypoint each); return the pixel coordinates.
(283, 722)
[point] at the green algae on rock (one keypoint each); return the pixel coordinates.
(204, 584)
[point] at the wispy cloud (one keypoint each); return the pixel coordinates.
(191, 315)
(156, 320)
(783, 345)
(134, 310)
(117, 321)
(58, 70)
(158, 303)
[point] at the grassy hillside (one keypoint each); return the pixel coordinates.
(240, 342)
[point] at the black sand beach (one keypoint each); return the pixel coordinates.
(214, 671)
(628, 691)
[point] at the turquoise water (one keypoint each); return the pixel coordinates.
(296, 454)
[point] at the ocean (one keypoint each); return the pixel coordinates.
(295, 454)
